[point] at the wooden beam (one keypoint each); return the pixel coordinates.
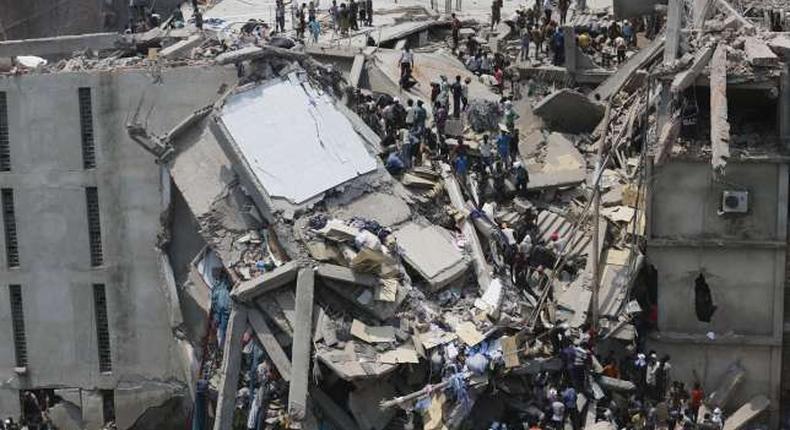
(719, 125)
(270, 344)
(231, 365)
(302, 345)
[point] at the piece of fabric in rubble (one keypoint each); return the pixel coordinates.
(483, 115)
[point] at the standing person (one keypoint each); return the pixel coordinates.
(465, 93)
(499, 77)
(333, 13)
(455, 25)
(563, 6)
(363, 13)
(663, 378)
(295, 14)
(458, 92)
(440, 118)
(315, 30)
(311, 12)
(525, 41)
(342, 16)
(510, 117)
(353, 13)
(569, 399)
(697, 394)
(548, 9)
(410, 114)
(495, 13)
(628, 33)
(558, 44)
(619, 44)
(302, 23)
(444, 92)
(486, 151)
(420, 116)
(369, 7)
(522, 178)
(406, 61)
(537, 37)
(280, 17)
(503, 147)
(651, 375)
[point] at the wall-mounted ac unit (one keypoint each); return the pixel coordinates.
(735, 202)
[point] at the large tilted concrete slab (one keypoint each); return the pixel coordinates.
(333, 413)
(273, 348)
(569, 111)
(636, 62)
(248, 290)
(719, 125)
(746, 413)
(231, 365)
(344, 274)
(482, 269)
(758, 53)
(430, 251)
(302, 345)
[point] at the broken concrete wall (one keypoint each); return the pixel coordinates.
(709, 363)
(55, 265)
(625, 9)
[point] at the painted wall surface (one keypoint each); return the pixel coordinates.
(48, 180)
(687, 201)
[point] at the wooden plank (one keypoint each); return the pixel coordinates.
(231, 365)
(674, 24)
(719, 125)
(270, 344)
(302, 345)
(356, 70)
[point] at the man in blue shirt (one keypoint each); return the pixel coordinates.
(503, 147)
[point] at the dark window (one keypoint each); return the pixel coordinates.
(5, 146)
(9, 223)
(108, 405)
(86, 126)
(18, 324)
(102, 328)
(703, 300)
(94, 226)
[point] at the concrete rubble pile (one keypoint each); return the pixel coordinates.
(469, 286)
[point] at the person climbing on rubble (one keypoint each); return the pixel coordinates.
(406, 61)
(455, 26)
(496, 13)
(220, 304)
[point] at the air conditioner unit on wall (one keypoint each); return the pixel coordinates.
(735, 202)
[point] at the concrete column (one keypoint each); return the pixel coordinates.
(784, 108)
(231, 365)
(302, 345)
(674, 24)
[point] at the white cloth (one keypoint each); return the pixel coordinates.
(509, 235)
(652, 369)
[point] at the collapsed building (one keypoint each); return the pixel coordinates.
(661, 184)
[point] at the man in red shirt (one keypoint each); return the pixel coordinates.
(697, 394)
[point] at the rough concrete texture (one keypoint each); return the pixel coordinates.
(55, 270)
(387, 209)
(569, 111)
(563, 164)
(430, 251)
